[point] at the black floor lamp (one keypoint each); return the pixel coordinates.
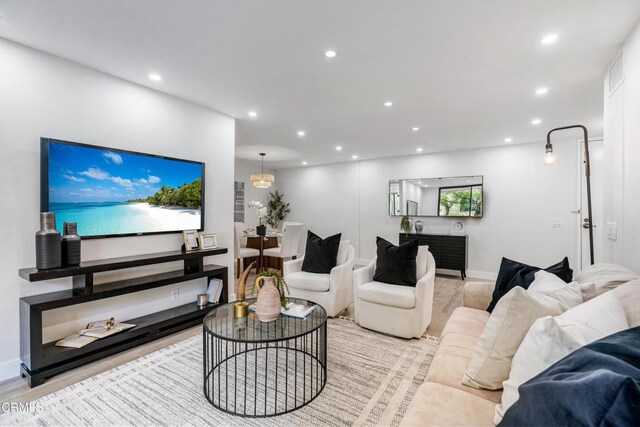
(550, 159)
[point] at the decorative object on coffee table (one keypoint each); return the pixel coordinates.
(71, 245)
(271, 289)
(241, 308)
(48, 244)
(419, 226)
(268, 368)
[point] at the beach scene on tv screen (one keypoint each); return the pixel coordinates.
(110, 192)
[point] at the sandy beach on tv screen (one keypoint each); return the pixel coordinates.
(170, 217)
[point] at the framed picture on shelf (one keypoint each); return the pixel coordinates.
(190, 238)
(208, 241)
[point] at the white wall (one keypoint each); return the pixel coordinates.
(243, 171)
(42, 95)
(621, 156)
(522, 200)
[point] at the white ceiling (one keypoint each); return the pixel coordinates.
(464, 71)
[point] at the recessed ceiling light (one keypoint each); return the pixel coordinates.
(549, 39)
(301, 133)
(388, 104)
(155, 77)
(419, 182)
(536, 121)
(330, 54)
(415, 129)
(419, 149)
(338, 148)
(541, 91)
(304, 163)
(508, 140)
(253, 114)
(354, 157)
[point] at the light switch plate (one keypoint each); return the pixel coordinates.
(612, 231)
(556, 223)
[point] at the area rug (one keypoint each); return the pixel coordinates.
(371, 381)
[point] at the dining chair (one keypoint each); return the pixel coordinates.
(288, 248)
(240, 252)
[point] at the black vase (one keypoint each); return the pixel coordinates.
(70, 245)
(261, 230)
(48, 245)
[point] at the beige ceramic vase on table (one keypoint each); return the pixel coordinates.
(268, 303)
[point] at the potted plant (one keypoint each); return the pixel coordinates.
(261, 212)
(277, 209)
(405, 224)
(272, 290)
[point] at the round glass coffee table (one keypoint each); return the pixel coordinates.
(255, 369)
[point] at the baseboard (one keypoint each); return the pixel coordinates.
(9, 369)
(481, 275)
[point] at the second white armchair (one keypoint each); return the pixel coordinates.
(402, 311)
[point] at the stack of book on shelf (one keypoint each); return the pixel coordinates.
(214, 290)
(93, 332)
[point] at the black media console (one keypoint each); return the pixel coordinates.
(41, 361)
(450, 252)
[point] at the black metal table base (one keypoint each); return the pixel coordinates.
(262, 379)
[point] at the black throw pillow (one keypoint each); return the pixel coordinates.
(396, 265)
(321, 254)
(514, 273)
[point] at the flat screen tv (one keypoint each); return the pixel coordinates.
(111, 193)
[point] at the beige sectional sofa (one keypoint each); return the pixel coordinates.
(443, 400)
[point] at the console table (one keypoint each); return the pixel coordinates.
(42, 360)
(450, 252)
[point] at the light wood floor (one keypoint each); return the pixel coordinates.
(447, 296)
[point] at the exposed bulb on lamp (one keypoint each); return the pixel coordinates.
(550, 157)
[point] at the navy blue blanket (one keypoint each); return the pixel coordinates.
(597, 385)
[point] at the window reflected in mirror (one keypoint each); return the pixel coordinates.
(444, 197)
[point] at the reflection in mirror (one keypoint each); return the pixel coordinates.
(446, 197)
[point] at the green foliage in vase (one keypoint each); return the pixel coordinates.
(277, 209)
(405, 224)
(280, 283)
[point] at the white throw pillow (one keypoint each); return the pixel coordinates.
(343, 252)
(604, 277)
(509, 322)
(629, 298)
(552, 338)
(550, 284)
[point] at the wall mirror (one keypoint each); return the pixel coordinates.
(460, 196)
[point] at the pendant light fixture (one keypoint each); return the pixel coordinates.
(262, 180)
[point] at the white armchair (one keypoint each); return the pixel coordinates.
(402, 311)
(333, 291)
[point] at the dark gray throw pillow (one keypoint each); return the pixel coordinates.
(514, 273)
(321, 255)
(396, 265)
